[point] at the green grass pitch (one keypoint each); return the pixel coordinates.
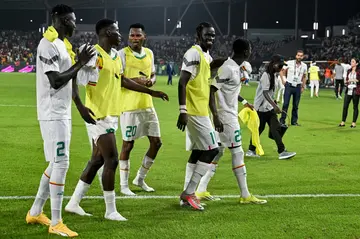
(327, 162)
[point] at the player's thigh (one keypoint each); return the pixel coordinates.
(151, 125)
(107, 146)
(231, 136)
(200, 134)
(56, 135)
(103, 126)
(130, 123)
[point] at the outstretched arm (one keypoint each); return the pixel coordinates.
(217, 63)
(132, 85)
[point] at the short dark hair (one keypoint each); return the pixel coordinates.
(201, 26)
(103, 23)
(240, 45)
(137, 25)
(61, 9)
(299, 51)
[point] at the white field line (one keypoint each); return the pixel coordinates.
(25, 106)
(176, 197)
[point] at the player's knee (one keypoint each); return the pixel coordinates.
(65, 164)
(156, 144)
(111, 163)
(127, 146)
(210, 155)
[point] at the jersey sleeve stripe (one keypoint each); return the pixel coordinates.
(218, 80)
(49, 61)
(190, 63)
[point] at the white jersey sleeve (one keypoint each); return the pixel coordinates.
(49, 57)
(191, 62)
(153, 69)
(122, 57)
(89, 72)
(224, 75)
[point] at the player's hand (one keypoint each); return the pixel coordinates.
(182, 121)
(302, 89)
(249, 106)
(219, 127)
(159, 94)
(86, 54)
(277, 110)
(86, 114)
(149, 83)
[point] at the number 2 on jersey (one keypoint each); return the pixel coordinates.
(60, 148)
(237, 136)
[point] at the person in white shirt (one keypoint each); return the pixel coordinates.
(226, 88)
(295, 72)
(55, 88)
(245, 71)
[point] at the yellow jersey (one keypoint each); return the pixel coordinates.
(314, 73)
(198, 89)
(132, 100)
(103, 96)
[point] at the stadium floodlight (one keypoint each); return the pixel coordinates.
(313, 36)
(277, 22)
(328, 33)
(81, 19)
(245, 25)
(343, 32)
(39, 29)
(316, 26)
(43, 29)
(359, 26)
(178, 25)
(304, 36)
(31, 20)
(168, 19)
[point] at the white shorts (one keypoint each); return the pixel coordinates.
(200, 134)
(56, 135)
(231, 136)
(103, 126)
(140, 123)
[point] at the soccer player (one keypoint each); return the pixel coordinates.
(138, 118)
(194, 93)
(54, 92)
(314, 73)
(103, 77)
(227, 86)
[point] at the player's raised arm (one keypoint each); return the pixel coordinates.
(132, 85)
(58, 80)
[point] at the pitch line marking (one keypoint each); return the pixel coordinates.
(177, 197)
(25, 106)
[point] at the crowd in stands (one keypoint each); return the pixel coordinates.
(17, 46)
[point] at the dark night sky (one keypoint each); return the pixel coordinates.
(261, 14)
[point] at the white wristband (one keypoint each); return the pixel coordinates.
(183, 111)
(182, 107)
(244, 102)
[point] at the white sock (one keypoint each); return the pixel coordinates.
(211, 172)
(240, 170)
(110, 202)
(57, 184)
(43, 192)
(200, 170)
(190, 167)
(145, 167)
(124, 168)
(80, 191)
